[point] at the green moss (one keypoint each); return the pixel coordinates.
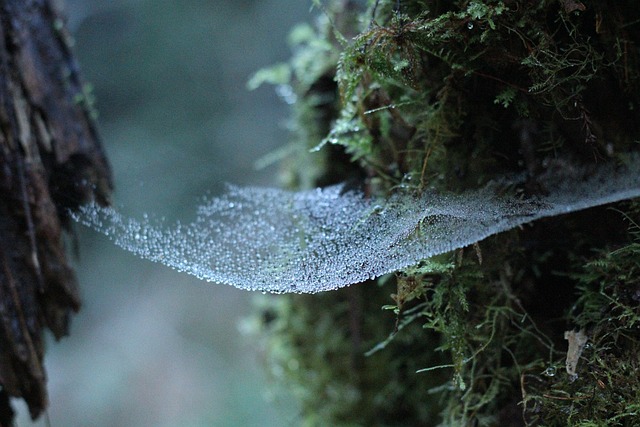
(450, 95)
(608, 308)
(425, 82)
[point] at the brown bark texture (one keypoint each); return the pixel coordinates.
(51, 160)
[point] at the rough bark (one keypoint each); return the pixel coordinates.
(50, 161)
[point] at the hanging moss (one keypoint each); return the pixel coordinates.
(449, 96)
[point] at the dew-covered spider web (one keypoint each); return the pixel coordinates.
(311, 241)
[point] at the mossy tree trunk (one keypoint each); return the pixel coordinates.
(50, 161)
(452, 96)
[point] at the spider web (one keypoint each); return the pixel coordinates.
(279, 241)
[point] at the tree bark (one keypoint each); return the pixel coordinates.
(51, 160)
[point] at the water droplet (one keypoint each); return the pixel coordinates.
(550, 371)
(470, 25)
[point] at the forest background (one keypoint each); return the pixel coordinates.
(152, 346)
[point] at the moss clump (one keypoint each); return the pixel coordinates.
(473, 90)
(450, 95)
(607, 308)
(317, 346)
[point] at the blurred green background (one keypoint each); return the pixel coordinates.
(152, 347)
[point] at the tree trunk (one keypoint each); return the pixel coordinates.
(50, 161)
(453, 97)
